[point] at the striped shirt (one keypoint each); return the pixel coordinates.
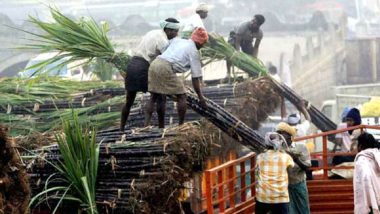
(272, 177)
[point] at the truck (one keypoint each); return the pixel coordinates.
(349, 96)
(353, 96)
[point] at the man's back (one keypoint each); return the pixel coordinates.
(367, 181)
(272, 176)
(152, 44)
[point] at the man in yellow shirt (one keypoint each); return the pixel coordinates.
(272, 177)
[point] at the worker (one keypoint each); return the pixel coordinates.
(179, 57)
(348, 140)
(354, 118)
(151, 45)
(298, 194)
(302, 128)
(272, 177)
(195, 21)
(367, 176)
(243, 38)
(247, 31)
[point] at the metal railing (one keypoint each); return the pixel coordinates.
(227, 189)
(325, 152)
(230, 186)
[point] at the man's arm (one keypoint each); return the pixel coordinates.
(304, 111)
(302, 159)
(197, 88)
(196, 74)
(256, 47)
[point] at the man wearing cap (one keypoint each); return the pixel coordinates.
(179, 57)
(301, 127)
(195, 21)
(272, 177)
(247, 31)
(299, 197)
(152, 44)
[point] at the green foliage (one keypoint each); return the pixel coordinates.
(218, 49)
(79, 167)
(73, 40)
(102, 69)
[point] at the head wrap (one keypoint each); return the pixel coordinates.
(275, 140)
(199, 35)
(170, 25)
(287, 128)
(202, 7)
(354, 114)
(294, 119)
(344, 113)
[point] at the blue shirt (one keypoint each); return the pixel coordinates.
(183, 55)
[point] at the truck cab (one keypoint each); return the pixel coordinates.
(73, 70)
(334, 108)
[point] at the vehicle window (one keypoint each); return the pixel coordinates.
(75, 71)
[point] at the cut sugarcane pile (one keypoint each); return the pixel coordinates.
(85, 39)
(102, 107)
(143, 172)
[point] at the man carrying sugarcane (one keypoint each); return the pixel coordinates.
(246, 32)
(244, 36)
(179, 57)
(298, 194)
(195, 21)
(152, 44)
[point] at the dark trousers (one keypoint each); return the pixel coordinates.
(264, 208)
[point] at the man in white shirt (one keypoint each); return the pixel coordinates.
(195, 21)
(302, 128)
(179, 57)
(152, 44)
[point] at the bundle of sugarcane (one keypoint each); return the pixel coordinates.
(317, 117)
(75, 40)
(220, 49)
(100, 106)
(228, 123)
(142, 171)
(250, 137)
(217, 49)
(15, 91)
